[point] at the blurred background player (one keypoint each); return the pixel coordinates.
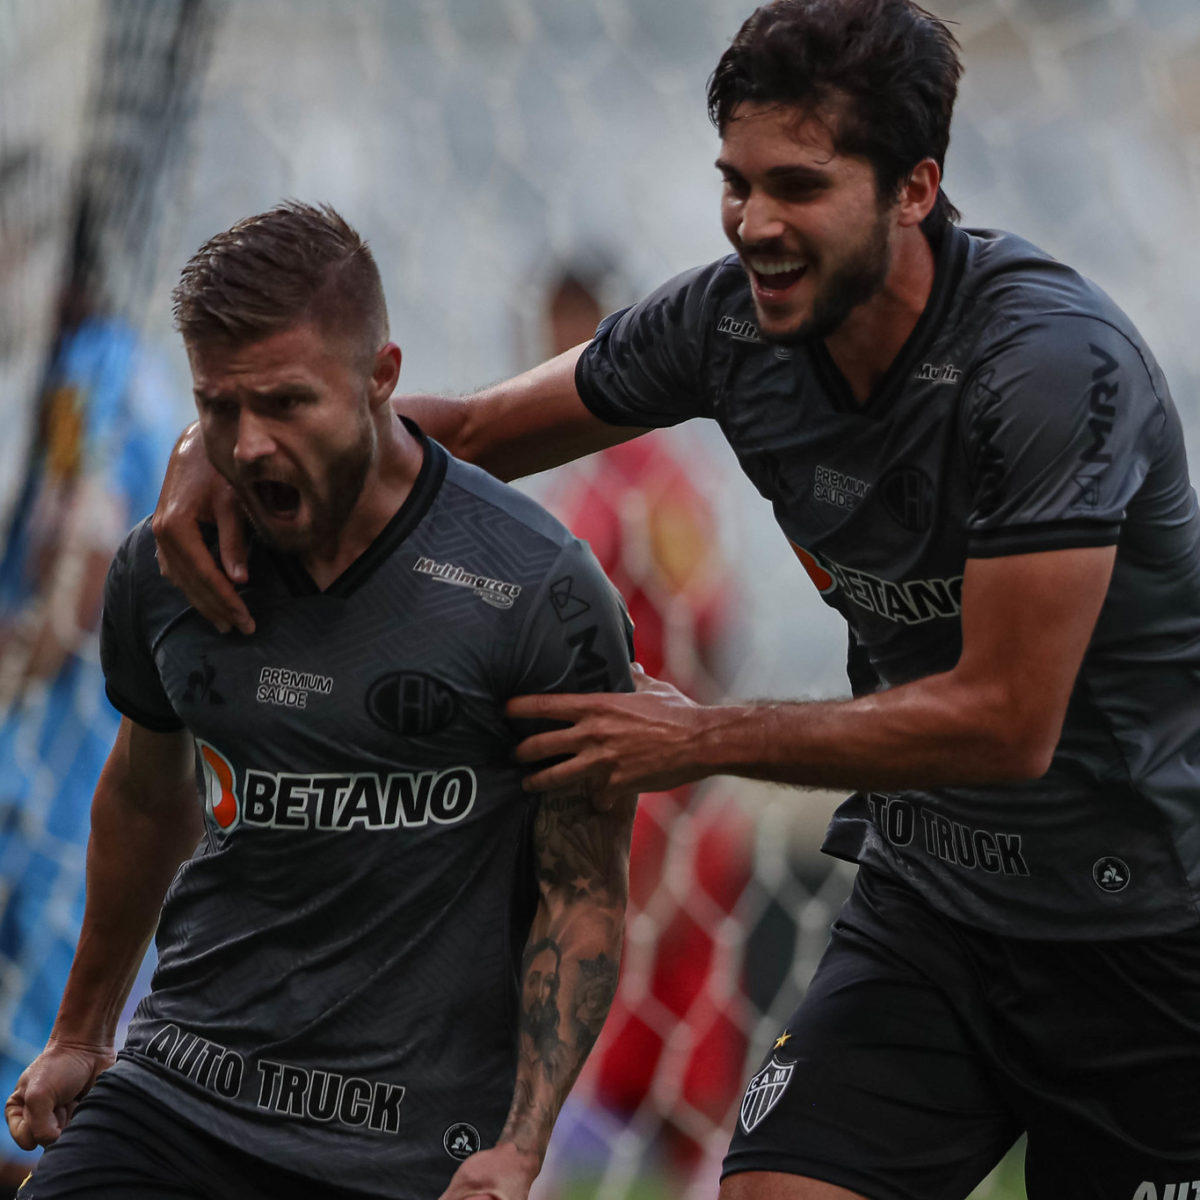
(100, 430)
(642, 509)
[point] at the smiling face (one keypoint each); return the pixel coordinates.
(806, 221)
(287, 420)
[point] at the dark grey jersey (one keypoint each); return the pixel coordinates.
(337, 988)
(1024, 413)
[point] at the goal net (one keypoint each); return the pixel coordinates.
(96, 99)
(520, 166)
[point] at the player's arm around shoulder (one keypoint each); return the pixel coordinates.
(530, 423)
(145, 821)
(568, 980)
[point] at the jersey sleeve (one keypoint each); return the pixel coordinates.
(1060, 425)
(645, 365)
(577, 637)
(131, 678)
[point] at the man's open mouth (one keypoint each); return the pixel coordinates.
(279, 499)
(776, 275)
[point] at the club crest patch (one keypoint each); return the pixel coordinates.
(765, 1091)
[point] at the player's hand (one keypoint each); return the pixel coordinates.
(193, 491)
(501, 1173)
(50, 1087)
(615, 744)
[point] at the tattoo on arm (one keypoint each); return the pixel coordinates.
(582, 852)
(598, 986)
(569, 970)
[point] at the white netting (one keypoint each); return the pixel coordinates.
(489, 150)
(41, 124)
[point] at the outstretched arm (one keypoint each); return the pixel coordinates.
(569, 978)
(996, 715)
(524, 425)
(519, 427)
(145, 821)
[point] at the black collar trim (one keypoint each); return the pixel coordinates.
(407, 517)
(950, 251)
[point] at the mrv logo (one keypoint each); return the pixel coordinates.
(280, 800)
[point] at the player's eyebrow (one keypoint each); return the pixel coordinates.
(299, 391)
(800, 172)
(791, 172)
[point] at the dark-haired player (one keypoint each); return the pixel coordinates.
(337, 1010)
(978, 462)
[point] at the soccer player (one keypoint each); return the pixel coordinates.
(978, 463)
(337, 1010)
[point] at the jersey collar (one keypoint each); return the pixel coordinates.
(407, 517)
(950, 255)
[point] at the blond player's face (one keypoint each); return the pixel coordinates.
(287, 421)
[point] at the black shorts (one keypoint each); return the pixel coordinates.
(121, 1145)
(924, 1047)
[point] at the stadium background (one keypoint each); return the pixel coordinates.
(517, 166)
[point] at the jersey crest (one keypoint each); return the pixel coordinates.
(764, 1091)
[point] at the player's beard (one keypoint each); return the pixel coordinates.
(330, 506)
(860, 275)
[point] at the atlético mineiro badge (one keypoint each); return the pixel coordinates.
(764, 1091)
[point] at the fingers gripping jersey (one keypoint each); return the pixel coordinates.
(1023, 414)
(338, 962)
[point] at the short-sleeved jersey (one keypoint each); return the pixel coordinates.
(337, 988)
(1023, 414)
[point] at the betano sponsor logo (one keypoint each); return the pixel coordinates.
(495, 592)
(910, 601)
(285, 800)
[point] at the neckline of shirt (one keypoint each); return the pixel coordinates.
(406, 518)
(950, 250)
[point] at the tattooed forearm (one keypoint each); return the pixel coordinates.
(580, 850)
(570, 965)
(542, 1047)
(527, 1119)
(597, 987)
(554, 1036)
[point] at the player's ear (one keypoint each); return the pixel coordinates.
(919, 192)
(385, 373)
